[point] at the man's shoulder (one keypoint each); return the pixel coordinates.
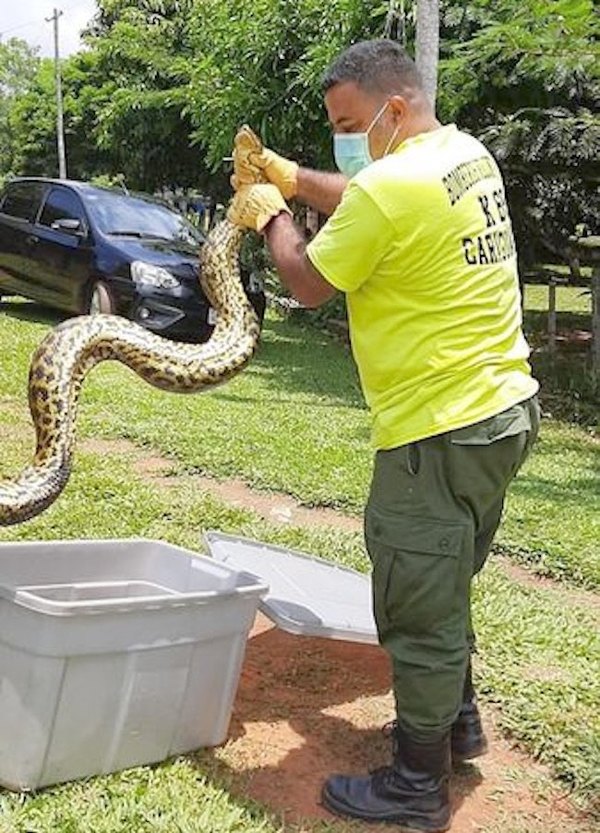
(418, 167)
(388, 175)
(398, 179)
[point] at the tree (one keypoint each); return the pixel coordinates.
(261, 62)
(33, 122)
(123, 101)
(524, 75)
(137, 90)
(427, 42)
(18, 67)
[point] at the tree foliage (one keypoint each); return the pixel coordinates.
(18, 67)
(163, 85)
(261, 62)
(138, 90)
(525, 77)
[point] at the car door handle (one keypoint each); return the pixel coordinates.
(32, 238)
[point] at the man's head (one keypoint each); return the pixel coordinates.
(375, 86)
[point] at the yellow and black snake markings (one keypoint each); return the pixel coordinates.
(71, 350)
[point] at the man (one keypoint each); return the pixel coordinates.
(420, 240)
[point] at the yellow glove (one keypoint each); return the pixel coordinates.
(254, 206)
(252, 162)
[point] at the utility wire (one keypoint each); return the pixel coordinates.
(37, 22)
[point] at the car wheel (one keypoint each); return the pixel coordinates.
(100, 300)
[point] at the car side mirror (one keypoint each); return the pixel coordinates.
(69, 225)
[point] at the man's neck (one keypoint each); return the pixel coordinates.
(425, 123)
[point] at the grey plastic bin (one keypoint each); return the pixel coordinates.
(114, 653)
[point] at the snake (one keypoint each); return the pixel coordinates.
(69, 351)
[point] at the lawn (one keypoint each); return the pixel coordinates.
(294, 422)
(569, 299)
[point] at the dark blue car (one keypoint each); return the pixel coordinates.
(83, 248)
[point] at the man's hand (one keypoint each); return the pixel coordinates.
(254, 163)
(254, 206)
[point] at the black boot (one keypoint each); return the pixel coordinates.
(468, 739)
(413, 792)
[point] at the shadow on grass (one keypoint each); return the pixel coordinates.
(33, 312)
(536, 321)
(305, 708)
(572, 492)
(299, 359)
(291, 359)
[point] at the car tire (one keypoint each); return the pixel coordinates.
(100, 300)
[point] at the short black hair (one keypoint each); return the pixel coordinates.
(377, 66)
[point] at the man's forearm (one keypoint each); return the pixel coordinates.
(288, 251)
(321, 190)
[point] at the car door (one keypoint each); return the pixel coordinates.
(18, 210)
(63, 249)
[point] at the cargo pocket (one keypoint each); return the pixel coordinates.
(416, 570)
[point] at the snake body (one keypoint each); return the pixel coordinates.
(67, 354)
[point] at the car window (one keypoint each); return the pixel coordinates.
(22, 199)
(61, 204)
(119, 214)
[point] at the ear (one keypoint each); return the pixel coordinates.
(399, 106)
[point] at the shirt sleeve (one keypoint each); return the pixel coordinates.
(352, 242)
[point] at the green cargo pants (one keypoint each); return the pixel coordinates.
(433, 510)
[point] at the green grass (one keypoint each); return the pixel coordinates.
(539, 661)
(570, 390)
(294, 421)
(569, 299)
(173, 798)
(552, 522)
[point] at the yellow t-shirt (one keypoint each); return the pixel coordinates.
(422, 245)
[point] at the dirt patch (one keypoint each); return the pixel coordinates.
(277, 508)
(571, 595)
(308, 707)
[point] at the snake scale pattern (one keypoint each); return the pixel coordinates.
(67, 354)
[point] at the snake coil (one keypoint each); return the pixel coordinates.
(67, 354)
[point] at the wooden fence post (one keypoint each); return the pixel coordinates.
(552, 316)
(596, 321)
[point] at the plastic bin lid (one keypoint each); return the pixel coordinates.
(307, 595)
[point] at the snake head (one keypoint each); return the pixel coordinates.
(248, 163)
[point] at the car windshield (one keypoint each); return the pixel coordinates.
(131, 216)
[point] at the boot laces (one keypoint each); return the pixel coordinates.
(383, 776)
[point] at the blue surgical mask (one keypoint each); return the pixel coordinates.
(351, 150)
